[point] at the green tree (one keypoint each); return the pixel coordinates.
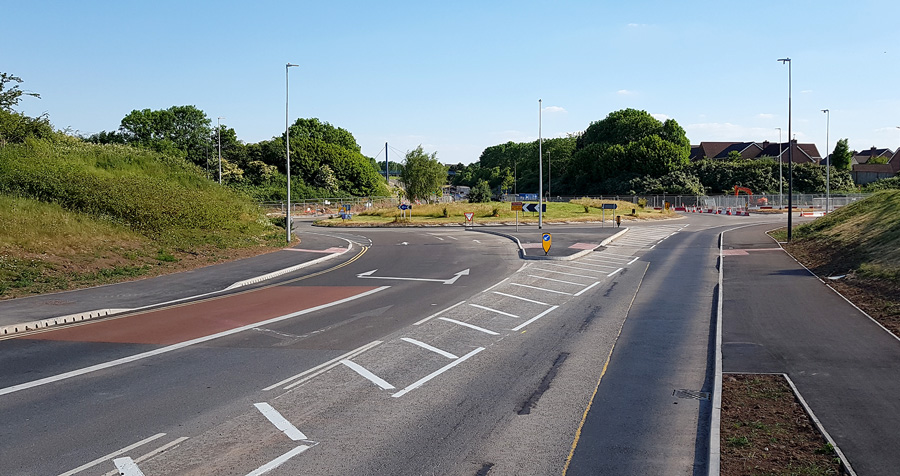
(185, 129)
(314, 129)
(841, 157)
(10, 93)
(422, 174)
(481, 192)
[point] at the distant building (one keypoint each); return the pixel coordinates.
(803, 153)
(865, 156)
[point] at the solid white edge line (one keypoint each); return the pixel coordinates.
(494, 310)
(529, 321)
(333, 361)
(540, 289)
(127, 467)
(579, 293)
(632, 261)
(715, 446)
(614, 272)
(279, 461)
(180, 345)
(470, 326)
(430, 347)
(368, 375)
(821, 427)
(281, 272)
(280, 421)
(521, 298)
(437, 372)
(437, 314)
(112, 455)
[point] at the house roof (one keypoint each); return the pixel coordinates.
(879, 168)
(751, 150)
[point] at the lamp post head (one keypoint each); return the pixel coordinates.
(784, 60)
(290, 65)
(825, 111)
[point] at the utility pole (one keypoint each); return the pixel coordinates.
(540, 171)
(387, 166)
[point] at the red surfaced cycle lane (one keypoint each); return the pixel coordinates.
(195, 320)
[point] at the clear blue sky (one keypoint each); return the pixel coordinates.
(460, 76)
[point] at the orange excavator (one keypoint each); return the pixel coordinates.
(759, 201)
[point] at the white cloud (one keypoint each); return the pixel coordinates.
(765, 116)
(554, 109)
(625, 92)
(661, 117)
(806, 91)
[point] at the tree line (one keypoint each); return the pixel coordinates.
(632, 153)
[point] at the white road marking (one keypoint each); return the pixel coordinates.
(582, 262)
(429, 347)
(151, 454)
(554, 280)
(493, 310)
(437, 314)
(571, 267)
(606, 257)
(279, 421)
(565, 273)
(368, 274)
(614, 272)
(470, 326)
(112, 455)
(579, 293)
(521, 298)
(632, 261)
(540, 289)
(279, 461)
(180, 345)
(323, 367)
(437, 372)
(127, 467)
(368, 375)
(529, 321)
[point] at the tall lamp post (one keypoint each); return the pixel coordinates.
(540, 171)
(790, 156)
(287, 151)
(549, 180)
(780, 180)
(828, 160)
(219, 135)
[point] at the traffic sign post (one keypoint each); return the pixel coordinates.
(470, 218)
(603, 208)
(403, 210)
(546, 241)
(517, 207)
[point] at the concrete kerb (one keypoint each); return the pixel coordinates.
(524, 255)
(11, 329)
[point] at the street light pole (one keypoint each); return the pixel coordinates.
(790, 156)
(828, 160)
(780, 180)
(540, 170)
(549, 179)
(219, 134)
(287, 151)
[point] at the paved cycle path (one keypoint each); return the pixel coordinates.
(778, 317)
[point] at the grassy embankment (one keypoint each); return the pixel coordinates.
(581, 210)
(77, 215)
(861, 243)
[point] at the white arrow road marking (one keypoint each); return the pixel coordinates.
(368, 274)
(279, 421)
(127, 467)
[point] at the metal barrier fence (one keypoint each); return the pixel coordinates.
(775, 201)
(329, 206)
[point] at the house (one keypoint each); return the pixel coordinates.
(863, 157)
(867, 173)
(803, 153)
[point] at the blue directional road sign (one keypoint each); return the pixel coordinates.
(404, 206)
(533, 207)
(610, 206)
(528, 196)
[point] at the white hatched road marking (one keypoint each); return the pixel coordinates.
(151, 454)
(279, 461)
(470, 326)
(280, 422)
(564, 273)
(322, 367)
(437, 372)
(127, 467)
(368, 375)
(555, 280)
(112, 455)
(579, 293)
(521, 298)
(614, 272)
(429, 347)
(529, 321)
(572, 267)
(493, 310)
(540, 289)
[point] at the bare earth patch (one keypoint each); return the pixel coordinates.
(765, 431)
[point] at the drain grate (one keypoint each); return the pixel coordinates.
(693, 394)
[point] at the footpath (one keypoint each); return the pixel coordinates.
(779, 318)
(33, 312)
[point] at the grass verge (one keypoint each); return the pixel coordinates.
(765, 431)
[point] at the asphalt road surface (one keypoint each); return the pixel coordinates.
(425, 351)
